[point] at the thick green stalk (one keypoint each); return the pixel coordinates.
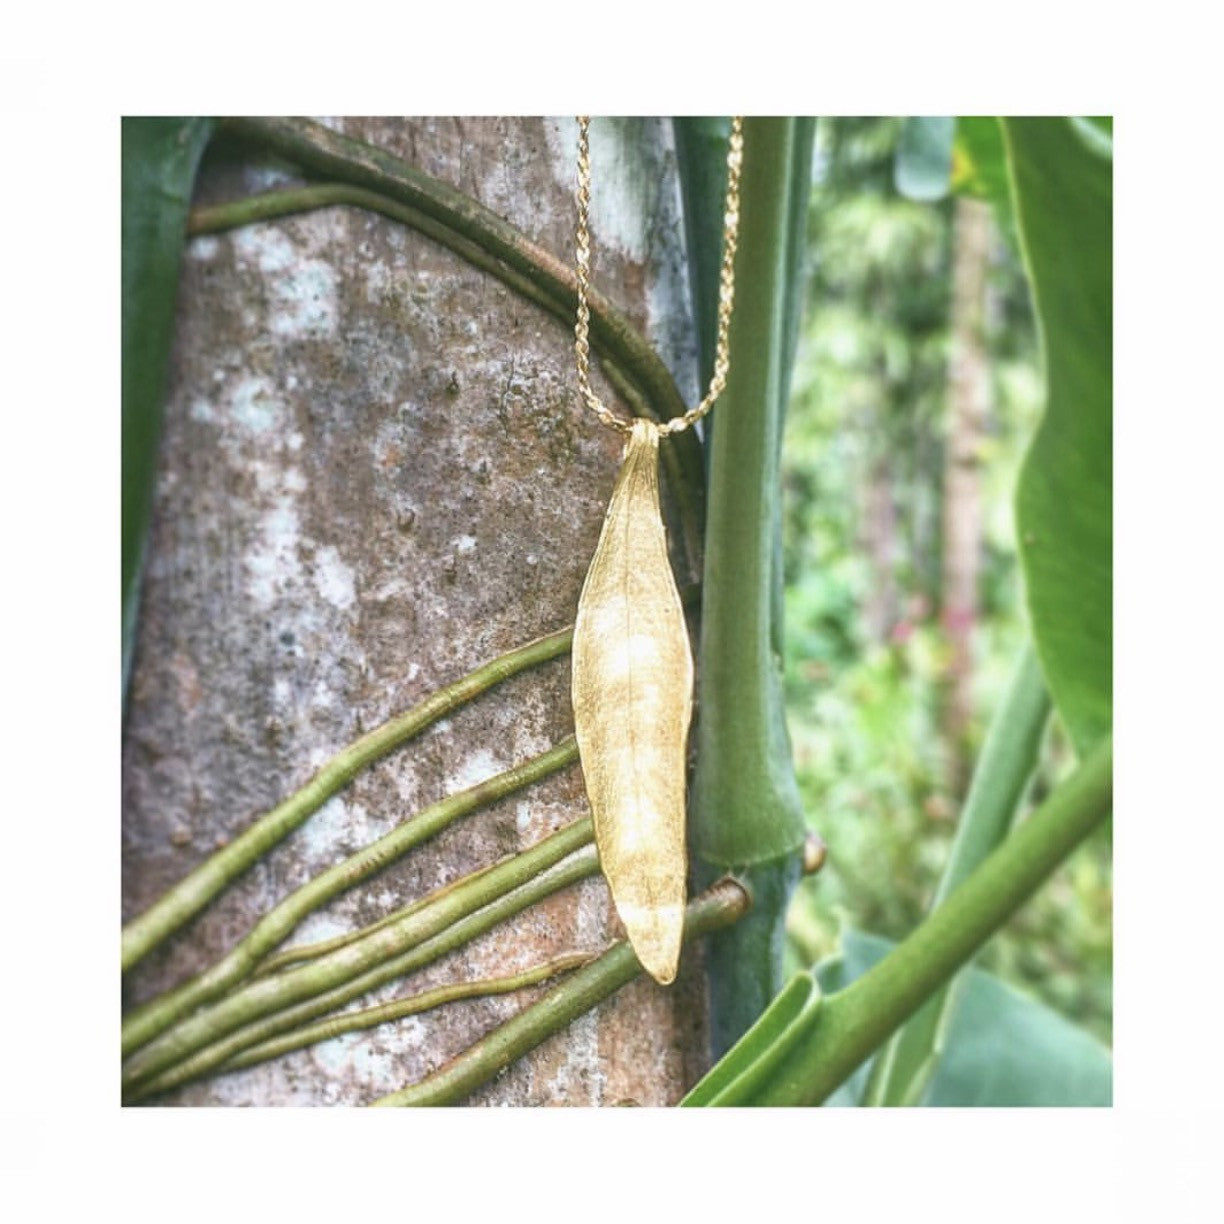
(322, 151)
(827, 1042)
(746, 813)
(260, 998)
(538, 881)
(903, 1069)
(192, 894)
(724, 903)
(275, 926)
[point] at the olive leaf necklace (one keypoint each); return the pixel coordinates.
(632, 684)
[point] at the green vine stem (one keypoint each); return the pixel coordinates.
(156, 1016)
(312, 951)
(827, 1040)
(397, 1009)
(903, 1069)
(260, 998)
(537, 883)
(324, 152)
(194, 892)
(724, 903)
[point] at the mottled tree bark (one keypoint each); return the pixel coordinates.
(375, 475)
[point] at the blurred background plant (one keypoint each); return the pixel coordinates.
(904, 609)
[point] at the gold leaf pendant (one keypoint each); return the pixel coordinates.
(633, 697)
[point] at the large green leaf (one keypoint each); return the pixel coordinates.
(1003, 1047)
(160, 157)
(1062, 174)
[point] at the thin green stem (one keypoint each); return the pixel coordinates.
(223, 1054)
(287, 202)
(842, 1032)
(427, 1000)
(312, 951)
(324, 152)
(279, 1033)
(192, 894)
(157, 1015)
(319, 149)
(725, 902)
(903, 1069)
(358, 963)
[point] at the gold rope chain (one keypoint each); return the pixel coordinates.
(726, 284)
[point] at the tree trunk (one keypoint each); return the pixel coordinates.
(375, 475)
(969, 401)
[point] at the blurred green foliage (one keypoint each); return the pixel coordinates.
(867, 657)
